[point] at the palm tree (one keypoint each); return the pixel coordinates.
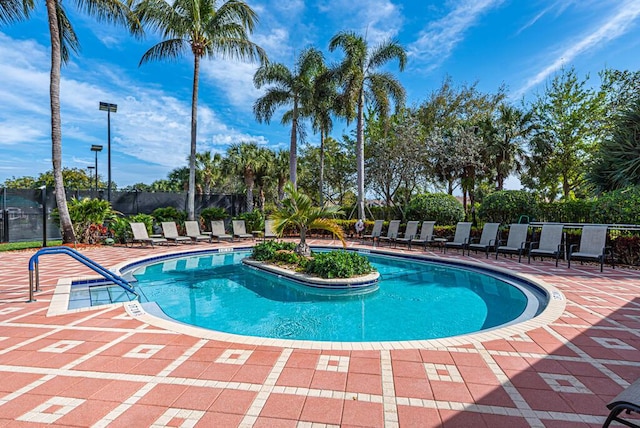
(198, 26)
(245, 161)
(63, 41)
(506, 141)
(297, 211)
(292, 88)
(209, 169)
(280, 171)
(325, 102)
(359, 79)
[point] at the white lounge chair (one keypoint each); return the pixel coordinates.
(426, 234)
(140, 235)
(240, 230)
(193, 231)
(460, 238)
(409, 233)
(593, 246)
(487, 241)
(218, 232)
(392, 232)
(170, 233)
(375, 232)
(550, 243)
(516, 241)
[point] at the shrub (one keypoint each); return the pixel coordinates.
(253, 220)
(265, 251)
(572, 211)
(169, 214)
(288, 257)
(443, 208)
(619, 206)
(88, 217)
(122, 230)
(209, 214)
(338, 264)
(507, 206)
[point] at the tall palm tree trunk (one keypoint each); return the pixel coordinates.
(360, 155)
(249, 183)
(293, 150)
(191, 194)
(321, 168)
(68, 235)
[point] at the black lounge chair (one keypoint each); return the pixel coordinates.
(487, 241)
(592, 247)
(627, 401)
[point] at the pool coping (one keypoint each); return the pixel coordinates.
(555, 308)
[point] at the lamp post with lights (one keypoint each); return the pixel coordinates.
(109, 108)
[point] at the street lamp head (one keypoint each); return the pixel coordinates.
(96, 148)
(108, 107)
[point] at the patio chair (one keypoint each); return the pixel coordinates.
(193, 231)
(392, 232)
(488, 239)
(170, 233)
(550, 244)
(268, 230)
(426, 235)
(140, 235)
(409, 233)
(627, 401)
(240, 230)
(460, 238)
(516, 241)
(375, 232)
(218, 232)
(592, 246)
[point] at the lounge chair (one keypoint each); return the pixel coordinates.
(193, 231)
(218, 232)
(550, 244)
(268, 230)
(409, 233)
(140, 235)
(392, 232)
(627, 401)
(426, 235)
(460, 238)
(592, 246)
(488, 239)
(170, 233)
(375, 232)
(240, 230)
(516, 241)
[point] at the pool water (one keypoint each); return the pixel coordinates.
(415, 300)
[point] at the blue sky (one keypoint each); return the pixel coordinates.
(513, 42)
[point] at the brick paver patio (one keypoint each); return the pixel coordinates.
(103, 367)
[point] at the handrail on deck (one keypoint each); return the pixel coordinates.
(107, 274)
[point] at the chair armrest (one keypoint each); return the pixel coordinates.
(572, 248)
(533, 245)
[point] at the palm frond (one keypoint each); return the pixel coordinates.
(167, 49)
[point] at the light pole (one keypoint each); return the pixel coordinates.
(109, 108)
(43, 199)
(96, 148)
(91, 170)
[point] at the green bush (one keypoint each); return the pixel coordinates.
(88, 216)
(209, 214)
(338, 264)
(253, 220)
(619, 206)
(507, 206)
(169, 214)
(572, 211)
(122, 230)
(289, 257)
(265, 251)
(443, 208)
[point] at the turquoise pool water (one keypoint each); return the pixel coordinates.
(415, 300)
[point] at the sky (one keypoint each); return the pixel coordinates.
(516, 43)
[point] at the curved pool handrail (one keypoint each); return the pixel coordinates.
(107, 274)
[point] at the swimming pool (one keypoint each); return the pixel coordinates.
(415, 300)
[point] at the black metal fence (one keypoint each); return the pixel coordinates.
(23, 211)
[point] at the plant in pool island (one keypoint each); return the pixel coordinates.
(297, 211)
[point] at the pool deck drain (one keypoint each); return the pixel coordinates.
(107, 366)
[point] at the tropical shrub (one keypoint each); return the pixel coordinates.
(88, 217)
(619, 206)
(443, 208)
(338, 264)
(265, 251)
(169, 214)
(216, 213)
(253, 220)
(571, 211)
(507, 206)
(121, 229)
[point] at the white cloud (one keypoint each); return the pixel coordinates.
(613, 27)
(439, 39)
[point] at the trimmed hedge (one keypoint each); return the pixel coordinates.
(507, 206)
(443, 208)
(338, 264)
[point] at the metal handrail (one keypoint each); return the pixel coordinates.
(107, 274)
